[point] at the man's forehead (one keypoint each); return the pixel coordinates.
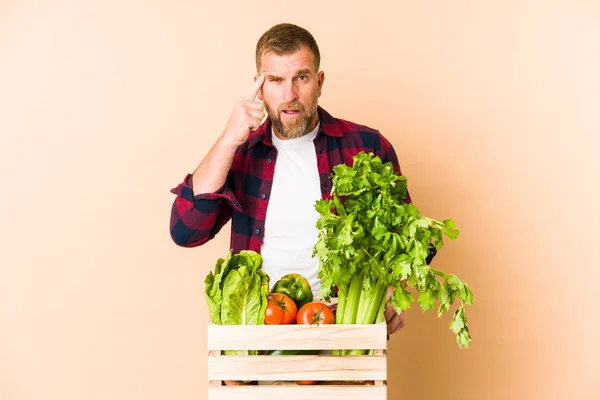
(288, 71)
(284, 64)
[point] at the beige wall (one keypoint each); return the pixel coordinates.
(493, 107)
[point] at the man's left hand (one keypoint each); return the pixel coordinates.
(394, 320)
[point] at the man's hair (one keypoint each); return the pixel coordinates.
(285, 39)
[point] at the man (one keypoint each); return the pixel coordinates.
(267, 177)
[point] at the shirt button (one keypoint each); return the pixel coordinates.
(257, 231)
(270, 160)
(263, 196)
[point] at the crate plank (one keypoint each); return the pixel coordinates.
(296, 337)
(293, 392)
(301, 367)
(272, 370)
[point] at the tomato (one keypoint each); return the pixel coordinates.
(281, 309)
(239, 383)
(315, 312)
(273, 313)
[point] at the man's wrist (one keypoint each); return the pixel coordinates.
(226, 144)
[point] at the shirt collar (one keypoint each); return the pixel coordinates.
(329, 127)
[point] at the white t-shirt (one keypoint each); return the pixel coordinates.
(290, 227)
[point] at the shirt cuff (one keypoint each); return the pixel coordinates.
(186, 191)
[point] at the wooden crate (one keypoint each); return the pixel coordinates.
(284, 369)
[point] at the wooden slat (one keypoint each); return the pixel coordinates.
(290, 368)
(380, 353)
(291, 392)
(296, 337)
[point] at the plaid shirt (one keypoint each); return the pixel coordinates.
(245, 195)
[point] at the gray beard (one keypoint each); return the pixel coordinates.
(291, 130)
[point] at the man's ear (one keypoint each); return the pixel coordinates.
(320, 80)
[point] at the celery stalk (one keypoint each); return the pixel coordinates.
(341, 304)
(371, 302)
(352, 300)
(369, 308)
(339, 313)
(381, 309)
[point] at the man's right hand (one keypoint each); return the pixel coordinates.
(246, 116)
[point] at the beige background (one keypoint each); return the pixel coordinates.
(492, 106)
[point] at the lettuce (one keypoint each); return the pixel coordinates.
(236, 291)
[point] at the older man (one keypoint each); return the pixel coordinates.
(266, 177)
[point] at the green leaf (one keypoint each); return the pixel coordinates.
(455, 283)
(468, 297)
(451, 230)
(426, 300)
(236, 292)
(458, 322)
(323, 207)
(464, 338)
(213, 288)
(401, 299)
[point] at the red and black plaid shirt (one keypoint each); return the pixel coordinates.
(245, 195)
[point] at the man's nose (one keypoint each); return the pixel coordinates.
(290, 92)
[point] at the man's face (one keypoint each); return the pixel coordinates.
(290, 92)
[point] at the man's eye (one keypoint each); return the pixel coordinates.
(302, 77)
(274, 79)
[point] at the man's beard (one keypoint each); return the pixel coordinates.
(298, 127)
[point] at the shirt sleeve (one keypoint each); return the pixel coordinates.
(195, 219)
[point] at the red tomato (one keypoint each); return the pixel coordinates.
(315, 312)
(273, 313)
(281, 309)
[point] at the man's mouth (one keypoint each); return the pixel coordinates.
(291, 113)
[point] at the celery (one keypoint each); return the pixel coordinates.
(371, 239)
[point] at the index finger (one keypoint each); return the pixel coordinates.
(256, 87)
